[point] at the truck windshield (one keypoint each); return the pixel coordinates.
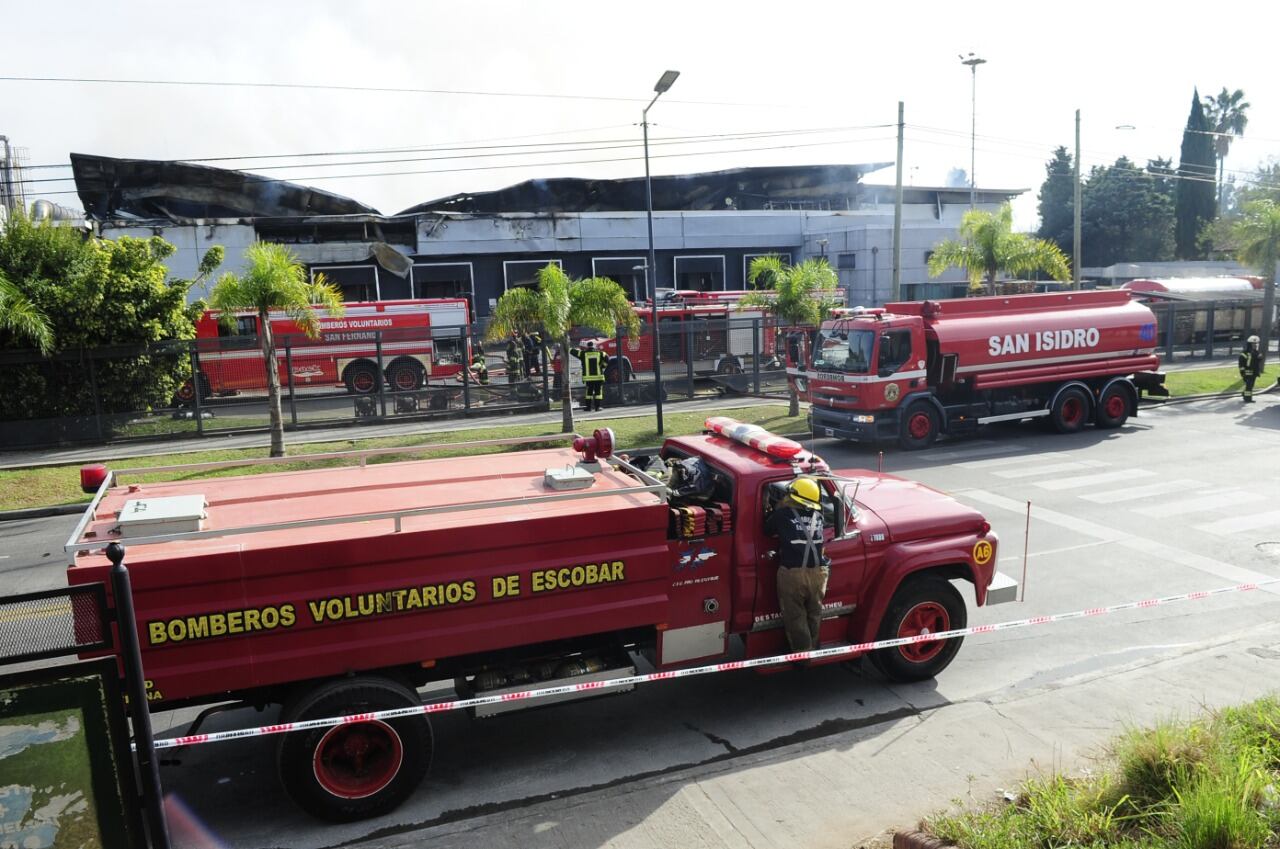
(845, 350)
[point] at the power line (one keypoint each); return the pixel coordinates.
(547, 164)
(577, 148)
(362, 88)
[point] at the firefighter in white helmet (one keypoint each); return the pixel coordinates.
(803, 567)
(1250, 366)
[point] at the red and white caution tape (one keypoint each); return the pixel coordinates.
(632, 680)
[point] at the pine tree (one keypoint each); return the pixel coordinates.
(1196, 202)
(1057, 200)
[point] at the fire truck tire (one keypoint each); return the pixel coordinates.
(920, 605)
(350, 772)
(361, 378)
(919, 426)
(1113, 407)
(611, 371)
(405, 376)
(1070, 410)
(186, 395)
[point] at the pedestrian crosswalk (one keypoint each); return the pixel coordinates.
(1141, 493)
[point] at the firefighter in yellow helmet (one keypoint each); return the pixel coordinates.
(802, 566)
(593, 365)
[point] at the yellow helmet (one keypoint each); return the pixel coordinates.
(805, 491)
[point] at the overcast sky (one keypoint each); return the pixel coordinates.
(745, 67)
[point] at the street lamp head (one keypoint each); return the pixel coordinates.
(665, 81)
(972, 61)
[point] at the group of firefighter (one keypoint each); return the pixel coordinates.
(525, 355)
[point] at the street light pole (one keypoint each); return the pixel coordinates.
(973, 62)
(651, 269)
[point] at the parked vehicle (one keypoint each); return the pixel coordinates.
(406, 343)
(336, 591)
(1227, 308)
(914, 370)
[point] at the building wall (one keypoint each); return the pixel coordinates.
(191, 242)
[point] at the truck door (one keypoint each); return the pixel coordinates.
(848, 562)
(898, 360)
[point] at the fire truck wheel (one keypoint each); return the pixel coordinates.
(350, 772)
(919, 426)
(920, 606)
(361, 378)
(405, 376)
(1113, 407)
(186, 393)
(1070, 410)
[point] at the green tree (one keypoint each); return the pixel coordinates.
(274, 280)
(1226, 114)
(1057, 200)
(1126, 216)
(1258, 238)
(988, 246)
(95, 294)
(558, 305)
(799, 296)
(22, 319)
(1195, 205)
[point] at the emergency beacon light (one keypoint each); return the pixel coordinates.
(598, 444)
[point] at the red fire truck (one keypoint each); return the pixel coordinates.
(914, 370)
(345, 354)
(340, 591)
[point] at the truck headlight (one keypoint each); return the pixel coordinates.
(864, 419)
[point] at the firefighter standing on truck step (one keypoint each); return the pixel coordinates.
(803, 567)
(593, 363)
(1250, 366)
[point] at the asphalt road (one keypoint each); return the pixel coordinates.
(1182, 498)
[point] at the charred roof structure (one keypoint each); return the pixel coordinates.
(773, 187)
(160, 189)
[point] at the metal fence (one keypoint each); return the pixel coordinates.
(119, 394)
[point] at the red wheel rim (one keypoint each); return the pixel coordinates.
(1115, 407)
(1072, 411)
(357, 760)
(405, 379)
(927, 617)
(920, 426)
(186, 391)
(362, 381)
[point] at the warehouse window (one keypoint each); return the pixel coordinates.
(622, 270)
(847, 260)
(699, 273)
(443, 280)
(524, 272)
(785, 256)
(356, 282)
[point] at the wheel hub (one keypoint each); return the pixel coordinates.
(358, 760)
(928, 617)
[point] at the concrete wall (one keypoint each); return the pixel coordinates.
(192, 241)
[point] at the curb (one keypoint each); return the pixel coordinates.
(1210, 396)
(42, 512)
(918, 840)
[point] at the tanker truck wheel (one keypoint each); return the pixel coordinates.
(343, 773)
(1070, 410)
(919, 426)
(923, 605)
(1113, 407)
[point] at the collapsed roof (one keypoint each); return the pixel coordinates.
(814, 186)
(147, 188)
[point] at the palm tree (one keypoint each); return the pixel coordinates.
(799, 295)
(558, 305)
(274, 280)
(1226, 114)
(1258, 238)
(23, 319)
(989, 246)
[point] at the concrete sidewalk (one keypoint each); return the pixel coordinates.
(884, 777)
(99, 453)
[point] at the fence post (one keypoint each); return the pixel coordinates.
(688, 354)
(463, 338)
(621, 369)
(97, 401)
(195, 386)
(1171, 314)
(756, 352)
(1208, 328)
(546, 378)
(288, 367)
(382, 388)
(136, 688)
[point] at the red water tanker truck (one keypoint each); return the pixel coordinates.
(342, 590)
(914, 370)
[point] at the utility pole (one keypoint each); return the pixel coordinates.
(973, 62)
(896, 290)
(1075, 230)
